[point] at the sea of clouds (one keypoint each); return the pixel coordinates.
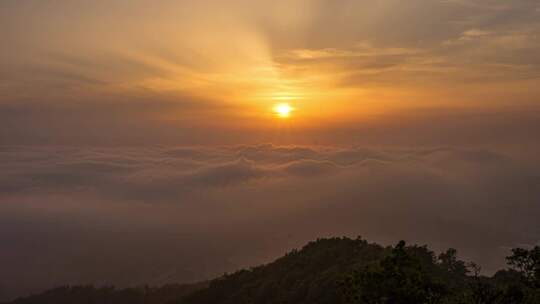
(159, 214)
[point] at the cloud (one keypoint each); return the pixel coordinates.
(435, 43)
(131, 215)
(311, 168)
(227, 174)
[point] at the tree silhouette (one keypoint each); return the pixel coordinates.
(338, 271)
(400, 278)
(527, 262)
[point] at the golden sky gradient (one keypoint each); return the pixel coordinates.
(228, 63)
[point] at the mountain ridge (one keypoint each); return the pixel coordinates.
(337, 270)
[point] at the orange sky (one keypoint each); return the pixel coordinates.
(227, 65)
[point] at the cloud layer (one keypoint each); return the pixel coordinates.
(160, 214)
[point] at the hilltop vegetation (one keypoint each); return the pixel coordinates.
(339, 270)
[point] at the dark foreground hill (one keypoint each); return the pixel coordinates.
(338, 270)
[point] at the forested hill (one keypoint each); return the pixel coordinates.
(311, 275)
(338, 270)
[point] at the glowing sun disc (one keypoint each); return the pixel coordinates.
(283, 110)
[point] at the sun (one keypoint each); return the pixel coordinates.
(283, 110)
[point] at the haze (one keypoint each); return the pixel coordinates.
(140, 141)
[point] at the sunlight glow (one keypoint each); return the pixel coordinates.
(283, 110)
